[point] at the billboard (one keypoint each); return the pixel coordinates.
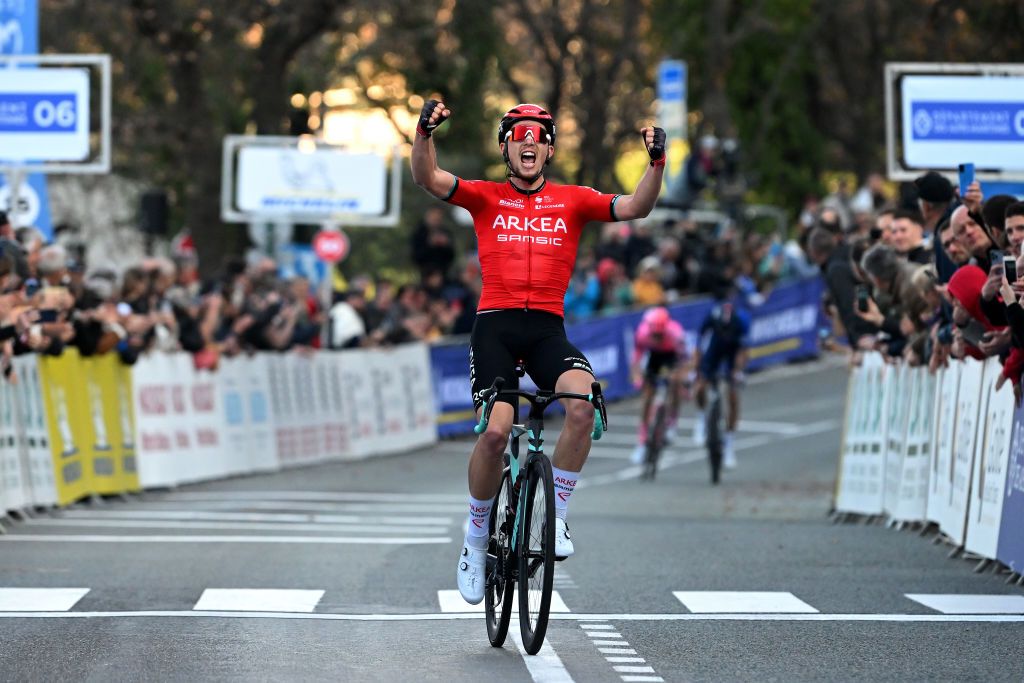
(949, 120)
(278, 181)
(44, 114)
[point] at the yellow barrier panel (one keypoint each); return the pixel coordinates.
(103, 379)
(67, 415)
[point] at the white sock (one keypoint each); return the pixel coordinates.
(479, 516)
(729, 437)
(565, 484)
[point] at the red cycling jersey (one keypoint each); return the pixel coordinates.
(528, 241)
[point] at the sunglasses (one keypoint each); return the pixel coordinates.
(539, 133)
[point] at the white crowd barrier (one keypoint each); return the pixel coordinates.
(71, 427)
(934, 448)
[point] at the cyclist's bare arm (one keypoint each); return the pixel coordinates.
(425, 171)
(639, 204)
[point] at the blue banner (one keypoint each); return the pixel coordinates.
(19, 35)
(968, 121)
(1011, 532)
(38, 112)
(783, 328)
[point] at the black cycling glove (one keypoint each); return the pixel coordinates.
(657, 148)
(425, 127)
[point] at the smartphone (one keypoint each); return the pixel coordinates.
(1010, 265)
(995, 259)
(966, 177)
(48, 315)
(862, 298)
(973, 332)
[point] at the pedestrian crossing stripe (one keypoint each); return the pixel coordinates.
(451, 602)
(258, 600)
(743, 602)
(40, 599)
(971, 604)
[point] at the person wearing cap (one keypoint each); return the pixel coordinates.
(936, 201)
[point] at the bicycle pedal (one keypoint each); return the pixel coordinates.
(560, 558)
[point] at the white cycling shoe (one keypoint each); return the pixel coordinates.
(700, 434)
(729, 453)
(637, 456)
(470, 574)
(563, 541)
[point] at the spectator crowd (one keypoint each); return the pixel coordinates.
(926, 277)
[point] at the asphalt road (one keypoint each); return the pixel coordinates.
(346, 572)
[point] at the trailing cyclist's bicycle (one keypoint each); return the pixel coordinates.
(713, 428)
(657, 427)
(521, 548)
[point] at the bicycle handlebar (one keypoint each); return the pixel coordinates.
(595, 398)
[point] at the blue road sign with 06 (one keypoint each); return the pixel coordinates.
(672, 80)
(44, 114)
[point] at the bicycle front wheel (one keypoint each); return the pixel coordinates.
(656, 442)
(714, 438)
(500, 585)
(536, 554)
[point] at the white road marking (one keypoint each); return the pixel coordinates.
(391, 508)
(258, 600)
(337, 496)
(545, 666)
(433, 616)
(609, 642)
(603, 634)
(596, 627)
(971, 604)
(40, 599)
(625, 660)
(328, 540)
(215, 516)
(742, 602)
(236, 526)
(451, 602)
(627, 669)
(653, 679)
(616, 650)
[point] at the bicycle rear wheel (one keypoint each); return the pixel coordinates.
(714, 437)
(536, 553)
(500, 585)
(655, 442)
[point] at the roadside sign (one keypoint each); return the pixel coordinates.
(331, 246)
(44, 114)
(671, 90)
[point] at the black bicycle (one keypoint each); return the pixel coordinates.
(657, 427)
(521, 548)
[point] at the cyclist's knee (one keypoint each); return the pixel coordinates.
(495, 437)
(580, 414)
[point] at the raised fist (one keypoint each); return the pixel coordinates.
(432, 115)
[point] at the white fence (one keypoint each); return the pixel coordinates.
(933, 448)
(70, 427)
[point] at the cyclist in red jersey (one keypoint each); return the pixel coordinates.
(527, 232)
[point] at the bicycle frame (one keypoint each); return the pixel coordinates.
(534, 429)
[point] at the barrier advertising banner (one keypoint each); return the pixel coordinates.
(862, 472)
(34, 431)
(1011, 531)
(13, 483)
(900, 386)
(940, 479)
(967, 418)
(991, 456)
(70, 424)
(911, 493)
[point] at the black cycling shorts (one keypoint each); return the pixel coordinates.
(501, 338)
(658, 361)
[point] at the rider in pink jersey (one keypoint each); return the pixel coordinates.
(659, 344)
(528, 232)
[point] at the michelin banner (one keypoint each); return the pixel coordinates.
(783, 328)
